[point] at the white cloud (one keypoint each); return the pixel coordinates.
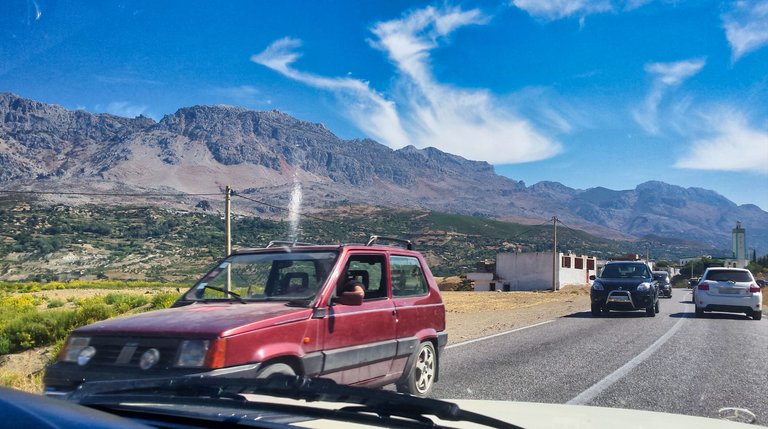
(746, 27)
(558, 9)
(243, 94)
(368, 109)
(734, 145)
(468, 122)
(665, 76)
(125, 109)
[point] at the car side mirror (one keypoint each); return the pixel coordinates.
(349, 298)
(592, 277)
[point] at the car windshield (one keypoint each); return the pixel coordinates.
(281, 275)
(729, 276)
(624, 271)
(662, 277)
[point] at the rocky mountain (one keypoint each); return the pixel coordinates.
(201, 149)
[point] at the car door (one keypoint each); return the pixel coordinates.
(416, 311)
(360, 341)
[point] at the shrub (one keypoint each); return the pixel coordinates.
(164, 300)
(55, 303)
(124, 302)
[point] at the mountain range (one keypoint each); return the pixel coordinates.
(263, 155)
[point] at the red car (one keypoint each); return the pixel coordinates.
(287, 309)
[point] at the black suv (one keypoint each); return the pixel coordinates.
(625, 286)
(665, 285)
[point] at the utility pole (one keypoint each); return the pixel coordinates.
(554, 253)
(228, 231)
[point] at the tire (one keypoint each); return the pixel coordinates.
(421, 374)
(275, 369)
(596, 310)
(656, 307)
(699, 312)
(650, 311)
(757, 315)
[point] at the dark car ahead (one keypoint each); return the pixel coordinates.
(368, 315)
(624, 286)
(664, 283)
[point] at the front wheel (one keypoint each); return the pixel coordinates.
(596, 310)
(275, 369)
(421, 374)
(656, 308)
(650, 311)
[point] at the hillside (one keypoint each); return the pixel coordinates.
(39, 242)
(201, 149)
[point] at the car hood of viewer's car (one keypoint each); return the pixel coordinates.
(200, 320)
(552, 416)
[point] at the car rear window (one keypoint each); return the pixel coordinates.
(728, 276)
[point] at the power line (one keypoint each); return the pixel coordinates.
(108, 194)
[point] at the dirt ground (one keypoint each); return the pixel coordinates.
(469, 315)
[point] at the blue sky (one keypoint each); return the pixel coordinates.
(586, 93)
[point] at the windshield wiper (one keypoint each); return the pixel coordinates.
(226, 292)
(388, 407)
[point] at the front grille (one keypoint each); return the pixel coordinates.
(127, 351)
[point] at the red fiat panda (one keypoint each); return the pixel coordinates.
(282, 309)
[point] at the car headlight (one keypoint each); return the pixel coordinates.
(192, 353)
(597, 286)
(643, 287)
(75, 345)
(85, 355)
(149, 358)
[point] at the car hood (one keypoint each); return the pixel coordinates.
(531, 415)
(537, 415)
(200, 320)
(625, 284)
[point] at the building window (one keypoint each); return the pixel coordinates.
(578, 263)
(566, 262)
(591, 264)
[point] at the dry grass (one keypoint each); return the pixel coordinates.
(468, 302)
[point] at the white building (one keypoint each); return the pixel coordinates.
(739, 245)
(534, 271)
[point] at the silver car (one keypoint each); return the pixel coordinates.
(728, 289)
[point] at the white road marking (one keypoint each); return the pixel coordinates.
(464, 343)
(598, 388)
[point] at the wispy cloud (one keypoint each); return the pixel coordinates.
(558, 9)
(733, 146)
(243, 94)
(371, 112)
(665, 76)
(422, 111)
(125, 109)
(746, 27)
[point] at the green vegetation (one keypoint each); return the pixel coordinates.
(24, 325)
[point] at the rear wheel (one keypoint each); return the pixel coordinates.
(699, 312)
(421, 374)
(757, 314)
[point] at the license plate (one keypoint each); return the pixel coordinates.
(620, 298)
(730, 291)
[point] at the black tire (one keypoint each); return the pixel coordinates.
(656, 307)
(757, 315)
(650, 311)
(596, 310)
(421, 375)
(275, 369)
(699, 312)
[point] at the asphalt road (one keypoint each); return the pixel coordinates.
(673, 362)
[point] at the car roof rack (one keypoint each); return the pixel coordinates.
(287, 243)
(376, 238)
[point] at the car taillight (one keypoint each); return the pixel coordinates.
(703, 286)
(753, 288)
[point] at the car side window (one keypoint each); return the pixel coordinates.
(369, 271)
(407, 277)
